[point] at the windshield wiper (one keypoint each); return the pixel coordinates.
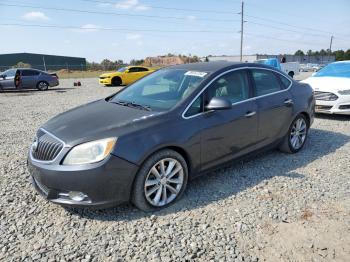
(132, 104)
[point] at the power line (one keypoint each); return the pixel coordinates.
(112, 28)
(167, 8)
(116, 14)
(286, 24)
(280, 39)
(288, 30)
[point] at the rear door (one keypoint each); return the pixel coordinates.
(132, 75)
(275, 104)
(143, 71)
(29, 78)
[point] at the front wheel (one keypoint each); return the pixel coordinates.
(116, 81)
(295, 139)
(42, 86)
(161, 180)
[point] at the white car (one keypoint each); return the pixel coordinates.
(331, 87)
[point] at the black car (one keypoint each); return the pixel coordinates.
(27, 78)
(143, 143)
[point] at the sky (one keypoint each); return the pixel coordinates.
(135, 29)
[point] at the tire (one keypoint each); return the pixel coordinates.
(293, 145)
(291, 74)
(42, 86)
(145, 196)
(116, 81)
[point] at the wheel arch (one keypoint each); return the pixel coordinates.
(117, 77)
(175, 148)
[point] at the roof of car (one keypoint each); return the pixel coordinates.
(214, 66)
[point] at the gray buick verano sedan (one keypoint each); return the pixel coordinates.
(143, 143)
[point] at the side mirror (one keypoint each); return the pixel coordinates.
(313, 74)
(219, 103)
(3, 76)
(127, 71)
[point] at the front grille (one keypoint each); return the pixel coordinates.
(326, 96)
(103, 77)
(319, 107)
(342, 107)
(47, 147)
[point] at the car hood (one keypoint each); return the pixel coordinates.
(97, 120)
(328, 84)
(110, 74)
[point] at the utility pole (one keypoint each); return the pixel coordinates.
(44, 63)
(242, 22)
(330, 49)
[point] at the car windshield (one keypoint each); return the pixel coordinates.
(9, 73)
(161, 90)
(121, 69)
(335, 70)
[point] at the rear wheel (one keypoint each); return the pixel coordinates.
(295, 139)
(161, 180)
(42, 86)
(116, 81)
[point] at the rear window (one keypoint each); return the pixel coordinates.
(284, 81)
(266, 82)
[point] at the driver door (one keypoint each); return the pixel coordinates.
(229, 133)
(8, 79)
(131, 75)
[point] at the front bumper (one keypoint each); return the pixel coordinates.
(339, 106)
(105, 81)
(105, 184)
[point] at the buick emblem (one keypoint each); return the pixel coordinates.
(35, 145)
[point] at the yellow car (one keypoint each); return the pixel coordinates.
(125, 75)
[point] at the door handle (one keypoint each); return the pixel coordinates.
(288, 102)
(250, 113)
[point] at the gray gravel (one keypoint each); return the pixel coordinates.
(275, 207)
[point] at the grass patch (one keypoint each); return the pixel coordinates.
(65, 74)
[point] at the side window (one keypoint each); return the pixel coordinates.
(10, 73)
(284, 81)
(142, 69)
(265, 82)
(29, 73)
(133, 70)
(233, 86)
(196, 107)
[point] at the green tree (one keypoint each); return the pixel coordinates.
(323, 52)
(299, 52)
(108, 64)
(339, 55)
(347, 55)
(22, 65)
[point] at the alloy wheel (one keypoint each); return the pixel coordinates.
(298, 133)
(42, 86)
(164, 182)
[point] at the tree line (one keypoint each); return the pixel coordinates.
(340, 55)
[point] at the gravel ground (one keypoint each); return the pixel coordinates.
(275, 207)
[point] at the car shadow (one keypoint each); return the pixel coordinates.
(30, 91)
(232, 179)
(333, 117)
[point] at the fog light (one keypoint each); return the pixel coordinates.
(77, 196)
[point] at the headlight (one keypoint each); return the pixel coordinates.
(90, 152)
(344, 92)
